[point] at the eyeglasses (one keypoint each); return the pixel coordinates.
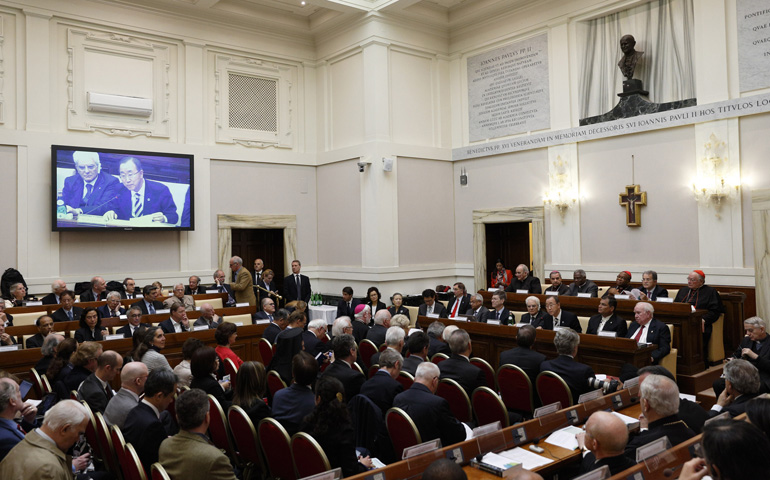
(128, 175)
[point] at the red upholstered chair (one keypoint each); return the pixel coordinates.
(232, 370)
(357, 367)
(91, 436)
(309, 457)
(265, 350)
(458, 400)
(158, 472)
(37, 382)
(366, 349)
(383, 347)
(219, 430)
(132, 468)
(74, 395)
(552, 388)
(406, 379)
(274, 382)
(46, 384)
(515, 388)
(489, 372)
(488, 407)
(373, 369)
(119, 444)
(246, 441)
(276, 446)
(105, 445)
(438, 358)
(402, 430)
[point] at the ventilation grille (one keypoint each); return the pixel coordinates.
(253, 103)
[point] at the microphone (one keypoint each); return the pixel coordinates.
(115, 197)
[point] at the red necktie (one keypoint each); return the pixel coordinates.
(639, 335)
(457, 305)
(20, 429)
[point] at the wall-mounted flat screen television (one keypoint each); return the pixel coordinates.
(97, 188)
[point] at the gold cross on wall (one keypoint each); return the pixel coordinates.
(632, 199)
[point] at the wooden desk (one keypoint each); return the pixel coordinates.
(604, 354)
(124, 302)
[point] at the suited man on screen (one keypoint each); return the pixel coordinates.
(89, 191)
(141, 197)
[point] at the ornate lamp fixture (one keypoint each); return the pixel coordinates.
(561, 194)
(715, 183)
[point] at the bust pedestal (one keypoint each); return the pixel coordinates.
(633, 86)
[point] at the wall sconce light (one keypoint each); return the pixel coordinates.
(715, 183)
(561, 195)
(463, 177)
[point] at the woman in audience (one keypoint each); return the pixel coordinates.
(330, 425)
(90, 327)
(148, 352)
(250, 387)
(161, 293)
(18, 292)
(758, 411)
(203, 365)
(401, 321)
(182, 369)
(501, 276)
(136, 340)
(225, 335)
(62, 359)
(398, 307)
(375, 303)
(48, 350)
(83, 361)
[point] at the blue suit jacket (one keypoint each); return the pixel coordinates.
(105, 190)
(291, 405)
(104, 311)
(157, 198)
(576, 374)
(145, 432)
(10, 435)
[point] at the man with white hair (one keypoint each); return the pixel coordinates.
(702, 297)
(208, 317)
(458, 367)
(134, 320)
(394, 339)
(380, 328)
(89, 190)
(42, 453)
(341, 326)
(57, 287)
(382, 388)
(132, 379)
(194, 287)
(97, 292)
(477, 308)
(11, 404)
(316, 330)
(647, 329)
(755, 349)
(524, 281)
(242, 285)
(361, 322)
(576, 374)
(178, 297)
(437, 342)
(112, 308)
(741, 385)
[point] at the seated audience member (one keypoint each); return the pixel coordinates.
(221, 286)
(44, 325)
(561, 318)
(429, 412)
(48, 350)
(691, 413)
(536, 316)
(96, 389)
(112, 308)
(97, 292)
(330, 425)
(345, 354)
(194, 286)
(431, 307)
(570, 370)
(68, 312)
(418, 344)
(204, 365)
(134, 317)
(159, 286)
(136, 339)
(11, 406)
(43, 452)
(129, 289)
(132, 379)
(148, 303)
(741, 385)
(178, 322)
(398, 307)
(292, 404)
(179, 298)
(755, 349)
(190, 454)
(149, 351)
(90, 327)
(758, 412)
(477, 308)
(650, 291)
(361, 322)
(458, 367)
(605, 439)
(659, 399)
(732, 450)
(313, 339)
(500, 277)
(83, 361)
(225, 336)
(60, 365)
(267, 312)
(437, 343)
(460, 300)
(5, 319)
(498, 314)
(622, 285)
(18, 293)
(342, 325)
(702, 297)
(57, 287)
(374, 300)
(377, 333)
(279, 320)
(582, 285)
(401, 321)
(607, 320)
(6, 339)
(144, 425)
(208, 318)
(524, 281)
(556, 284)
(394, 339)
(287, 344)
(382, 388)
(444, 469)
(250, 389)
(182, 369)
(522, 354)
(647, 329)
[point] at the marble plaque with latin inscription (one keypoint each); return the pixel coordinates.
(753, 44)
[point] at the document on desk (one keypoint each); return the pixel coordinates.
(630, 422)
(564, 438)
(527, 459)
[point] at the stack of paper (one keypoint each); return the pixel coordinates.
(565, 438)
(528, 460)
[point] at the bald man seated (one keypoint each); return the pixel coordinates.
(605, 439)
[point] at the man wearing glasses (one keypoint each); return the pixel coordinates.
(90, 190)
(141, 197)
(134, 319)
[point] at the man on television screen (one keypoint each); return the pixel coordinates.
(89, 191)
(141, 197)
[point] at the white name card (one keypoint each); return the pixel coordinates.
(608, 334)
(653, 448)
(432, 315)
(599, 474)
(584, 295)
(139, 295)
(335, 474)
(486, 429)
(521, 324)
(10, 348)
(114, 336)
(212, 291)
(665, 300)
(262, 320)
(587, 397)
(165, 310)
(551, 292)
(622, 297)
(521, 290)
(197, 308)
(493, 322)
(242, 304)
(492, 289)
(33, 304)
(239, 324)
(547, 409)
(421, 448)
(200, 327)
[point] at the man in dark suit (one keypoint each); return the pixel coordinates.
(68, 312)
(437, 343)
(522, 355)
(178, 322)
(13, 404)
(741, 385)
(575, 374)
(582, 285)
(499, 314)
(141, 197)
(460, 302)
(347, 306)
(194, 286)
(430, 307)
(430, 413)
(57, 287)
(524, 281)
(292, 404)
(650, 290)
(278, 323)
(316, 330)
(458, 367)
(129, 289)
(380, 328)
(144, 426)
(345, 354)
(148, 305)
(134, 320)
(394, 339)
(222, 286)
(556, 284)
(96, 389)
(44, 325)
(477, 308)
(382, 388)
(605, 439)
(559, 317)
(754, 348)
(702, 297)
(647, 329)
(112, 308)
(607, 320)
(90, 190)
(536, 316)
(97, 292)
(418, 344)
(690, 412)
(296, 286)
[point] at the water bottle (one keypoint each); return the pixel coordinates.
(61, 210)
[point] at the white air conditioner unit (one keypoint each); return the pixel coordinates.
(106, 103)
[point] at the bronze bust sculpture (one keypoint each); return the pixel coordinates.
(627, 64)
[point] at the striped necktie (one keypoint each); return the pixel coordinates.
(137, 210)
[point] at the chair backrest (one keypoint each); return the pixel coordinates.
(276, 446)
(37, 382)
(373, 369)
(552, 388)
(309, 457)
(366, 349)
(244, 319)
(232, 370)
(158, 472)
(405, 379)
(459, 402)
(132, 467)
(489, 372)
(274, 382)
(46, 384)
(438, 358)
(91, 436)
(214, 302)
(489, 408)
(219, 431)
(105, 445)
(74, 395)
(515, 388)
(265, 350)
(358, 368)
(402, 430)
(245, 437)
(21, 319)
(119, 444)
